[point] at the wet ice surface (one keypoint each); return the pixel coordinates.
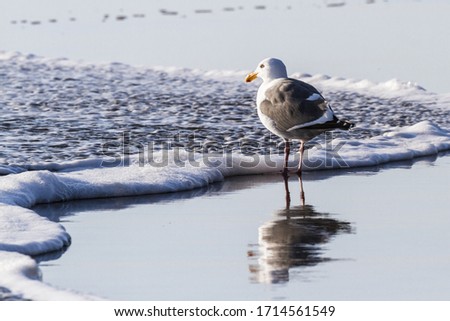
(58, 110)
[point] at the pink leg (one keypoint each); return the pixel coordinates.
(301, 150)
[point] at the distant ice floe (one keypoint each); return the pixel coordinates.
(405, 121)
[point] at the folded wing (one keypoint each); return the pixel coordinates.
(293, 104)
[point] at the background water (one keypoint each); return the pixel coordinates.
(374, 234)
(386, 39)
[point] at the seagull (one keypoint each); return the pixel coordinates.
(292, 109)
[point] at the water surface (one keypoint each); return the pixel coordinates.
(371, 234)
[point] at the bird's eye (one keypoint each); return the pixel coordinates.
(261, 66)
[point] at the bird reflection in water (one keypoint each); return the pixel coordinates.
(294, 239)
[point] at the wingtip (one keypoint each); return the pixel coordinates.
(347, 125)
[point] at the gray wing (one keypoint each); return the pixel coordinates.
(292, 103)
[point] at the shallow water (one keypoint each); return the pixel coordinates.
(372, 234)
(57, 110)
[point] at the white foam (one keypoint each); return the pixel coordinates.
(25, 232)
(21, 273)
(419, 140)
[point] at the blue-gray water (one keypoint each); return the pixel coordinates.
(374, 234)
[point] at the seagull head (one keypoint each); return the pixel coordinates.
(268, 69)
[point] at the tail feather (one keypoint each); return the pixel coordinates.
(334, 124)
(345, 124)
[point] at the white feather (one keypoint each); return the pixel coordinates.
(326, 117)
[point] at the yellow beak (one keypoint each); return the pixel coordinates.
(251, 76)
